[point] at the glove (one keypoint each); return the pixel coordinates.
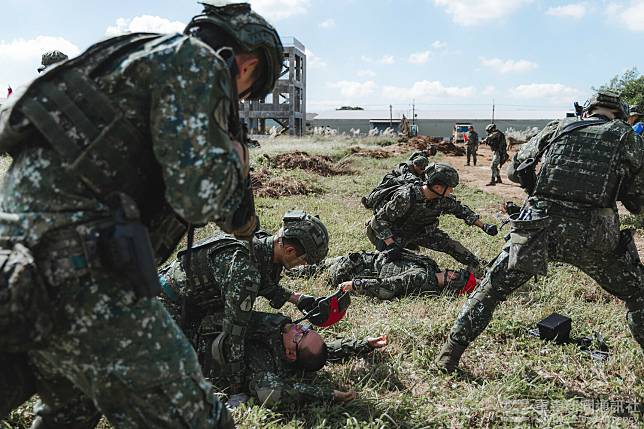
(490, 229)
(236, 400)
(511, 208)
(393, 252)
(306, 303)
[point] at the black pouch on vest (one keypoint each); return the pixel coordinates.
(126, 249)
(555, 327)
(627, 247)
(25, 320)
(528, 246)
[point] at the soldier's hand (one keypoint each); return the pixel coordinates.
(378, 342)
(306, 303)
(340, 396)
(393, 252)
(347, 286)
(490, 229)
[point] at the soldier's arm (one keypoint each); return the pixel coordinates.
(189, 112)
(278, 295)
(461, 211)
(632, 190)
(271, 390)
(344, 348)
(385, 218)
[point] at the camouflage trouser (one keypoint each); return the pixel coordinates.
(495, 167)
(126, 356)
(572, 241)
(438, 240)
(471, 152)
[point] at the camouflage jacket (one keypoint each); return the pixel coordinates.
(271, 377)
(408, 214)
(472, 139)
(496, 141)
(631, 161)
(176, 92)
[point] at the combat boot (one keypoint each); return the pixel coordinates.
(449, 356)
(498, 180)
(492, 183)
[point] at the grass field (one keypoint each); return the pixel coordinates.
(510, 378)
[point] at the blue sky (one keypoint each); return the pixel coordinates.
(533, 57)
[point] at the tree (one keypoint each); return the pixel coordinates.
(630, 86)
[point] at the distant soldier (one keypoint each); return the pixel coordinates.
(114, 154)
(472, 144)
(50, 58)
(571, 216)
(636, 114)
(410, 218)
(371, 274)
(496, 140)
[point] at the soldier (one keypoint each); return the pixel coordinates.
(49, 58)
(571, 216)
(279, 350)
(496, 140)
(227, 275)
(129, 138)
(410, 218)
(635, 114)
(472, 144)
(412, 170)
(369, 273)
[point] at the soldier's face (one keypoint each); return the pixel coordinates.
(298, 338)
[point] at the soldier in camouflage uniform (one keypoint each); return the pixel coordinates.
(412, 170)
(411, 216)
(278, 352)
(496, 140)
(472, 144)
(571, 216)
(227, 275)
(132, 137)
(369, 273)
(50, 58)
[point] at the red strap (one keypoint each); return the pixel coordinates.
(469, 286)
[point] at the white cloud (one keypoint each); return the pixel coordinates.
(280, 9)
(437, 44)
(329, 23)
(472, 12)
(572, 10)
(387, 59)
(313, 61)
(21, 58)
(631, 15)
(366, 73)
(425, 90)
(144, 23)
(489, 90)
(354, 89)
(509, 66)
(555, 92)
(419, 57)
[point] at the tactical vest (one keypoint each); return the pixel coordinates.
(582, 166)
(67, 109)
(409, 259)
(266, 329)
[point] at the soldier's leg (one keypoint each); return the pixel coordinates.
(129, 357)
(474, 156)
(477, 312)
(17, 382)
(469, 154)
(440, 241)
(622, 278)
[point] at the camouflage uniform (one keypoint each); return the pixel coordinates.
(571, 217)
(413, 221)
(224, 277)
(472, 146)
(271, 377)
(496, 140)
(124, 353)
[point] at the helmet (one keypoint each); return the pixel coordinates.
(420, 162)
(608, 99)
(490, 128)
(309, 231)
(51, 57)
(636, 109)
(252, 33)
(441, 173)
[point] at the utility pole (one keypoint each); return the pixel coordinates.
(493, 106)
(391, 116)
(413, 112)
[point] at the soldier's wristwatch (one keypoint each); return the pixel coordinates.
(357, 283)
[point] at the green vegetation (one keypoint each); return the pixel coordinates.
(630, 86)
(508, 375)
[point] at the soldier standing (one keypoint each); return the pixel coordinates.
(114, 153)
(411, 216)
(571, 216)
(472, 144)
(496, 140)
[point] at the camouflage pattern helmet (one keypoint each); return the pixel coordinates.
(636, 109)
(609, 100)
(441, 173)
(420, 162)
(51, 57)
(490, 128)
(309, 231)
(252, 32)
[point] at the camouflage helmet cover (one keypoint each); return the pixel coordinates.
(51, 57)
(442, 173)
(420, 161)
(309, 231)
(252, 32)
(490, 128)
(636, 109)
(609, 100)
